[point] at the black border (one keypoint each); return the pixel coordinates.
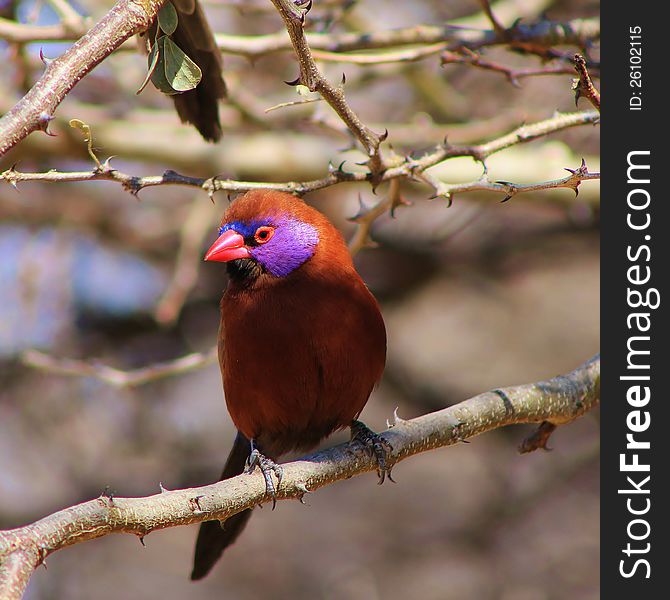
(623, 131)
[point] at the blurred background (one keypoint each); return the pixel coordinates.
(475, 296)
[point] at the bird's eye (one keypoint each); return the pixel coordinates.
(263, 234)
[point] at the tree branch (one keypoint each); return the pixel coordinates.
(578, 32)
(117, 377)
(557, 401)
(404, 167)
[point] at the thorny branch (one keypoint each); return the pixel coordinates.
(402, 167)
(311, 77)
(508, 188)
(556, 401)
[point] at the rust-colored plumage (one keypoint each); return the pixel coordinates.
(302, 342)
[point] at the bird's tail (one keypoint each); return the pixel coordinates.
(214, 537)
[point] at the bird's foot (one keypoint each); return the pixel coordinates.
(267, 467)
(376, 446)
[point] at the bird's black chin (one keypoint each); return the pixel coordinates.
(244, 270)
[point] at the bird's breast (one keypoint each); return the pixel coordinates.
(300, 360)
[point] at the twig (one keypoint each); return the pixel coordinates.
(117, 377)
(35, 110)
(584, 86)
(512, 75)
(395, 56)
(72, 21)
(293, 103)
(21, 33)
(558, 401)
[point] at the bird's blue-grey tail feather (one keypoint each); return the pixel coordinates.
(213, 539)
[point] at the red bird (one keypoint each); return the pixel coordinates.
(301, 343)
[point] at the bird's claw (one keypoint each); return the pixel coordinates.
(267, 467)
(376, 447)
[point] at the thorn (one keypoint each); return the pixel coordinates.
(142, 541)
(303, 14)
(450, 199)
(398, 201)
(344, 78)
(362, 210)
(294, 82)
(107, 497)
(383, 136)
(396, 419)
(107, 165)
(43, 123)
(44, 59)
(506, 198)
(162, 489)
(194, 504)
(303, 490)
(516, 23)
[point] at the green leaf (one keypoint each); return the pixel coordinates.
(153, 61)
(180, 71)
(167, 18)
(158, 77)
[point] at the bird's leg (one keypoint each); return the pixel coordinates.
(267, 467)
(376, 446)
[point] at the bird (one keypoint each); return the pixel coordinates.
(194, 36)
(302, 344)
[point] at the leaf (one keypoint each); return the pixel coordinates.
(167, 18)
(153, 61)
(180, 71)
(158, 77)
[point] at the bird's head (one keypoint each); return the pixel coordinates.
(270, 233)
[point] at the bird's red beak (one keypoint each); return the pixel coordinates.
(228, 246)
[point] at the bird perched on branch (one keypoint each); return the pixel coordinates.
(301, 344)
